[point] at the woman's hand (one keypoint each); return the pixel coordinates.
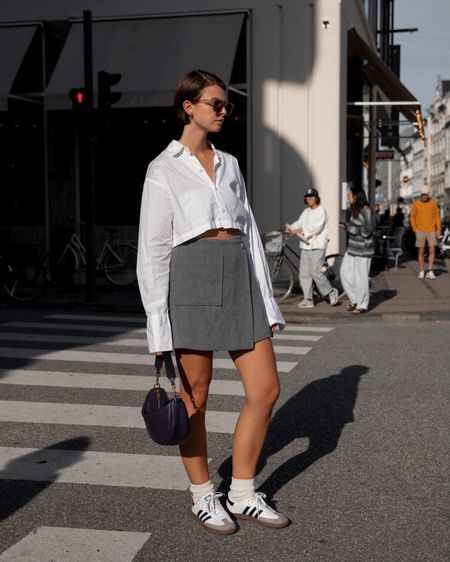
(274, 328)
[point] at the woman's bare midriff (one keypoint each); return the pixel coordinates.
(220, 233)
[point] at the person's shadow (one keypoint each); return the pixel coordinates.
(25, 477)
(319, 412)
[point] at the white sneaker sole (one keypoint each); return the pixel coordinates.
(263, 522)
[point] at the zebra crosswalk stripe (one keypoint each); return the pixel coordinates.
(79, 340)
(103, 381)
(98, 318)
(295, 337)
(307, 328)
(94, 468)
(116, 358)
(120, 358)
(96, 415)
(114, 340)
(75, 327)
(73, 545)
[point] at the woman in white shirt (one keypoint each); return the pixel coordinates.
(205, 286)
(312, 229)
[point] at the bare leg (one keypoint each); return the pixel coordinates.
(195, 368)
(431, 256)
(420, 258)
(258, 372)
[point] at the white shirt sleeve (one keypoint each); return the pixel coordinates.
(153, 262)
(252, 241)
(297, 223)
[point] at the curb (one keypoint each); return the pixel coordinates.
(290, 316)
(419, 316)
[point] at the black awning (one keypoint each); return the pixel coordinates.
(151, 54)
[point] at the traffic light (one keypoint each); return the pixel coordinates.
(78, 97)
(106, 98)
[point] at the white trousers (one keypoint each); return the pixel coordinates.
(311, 262)
(355, 280)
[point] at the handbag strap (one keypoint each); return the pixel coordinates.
(166, 360)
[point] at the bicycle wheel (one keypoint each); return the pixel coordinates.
(282, 275)
(24, 282)
(120, 264)
(332, 270)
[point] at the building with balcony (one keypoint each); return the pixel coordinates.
(427, 165)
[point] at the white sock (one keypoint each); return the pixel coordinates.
(200, 490)
(241, 490)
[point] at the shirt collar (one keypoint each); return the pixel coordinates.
(176, 149)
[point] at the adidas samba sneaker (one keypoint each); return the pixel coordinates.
(258, 510)
(209, 512)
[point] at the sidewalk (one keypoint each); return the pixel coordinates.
(396, 294)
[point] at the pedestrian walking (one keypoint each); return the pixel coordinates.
(398, 224)
(355, 265)
(312, 229)
(426, 224)
(205, 286)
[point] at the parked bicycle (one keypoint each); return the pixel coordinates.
(117, 260)
(284, 271)
(22, 271)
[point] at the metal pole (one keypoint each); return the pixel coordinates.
(372, 154)
(89, 167)
(45, 148)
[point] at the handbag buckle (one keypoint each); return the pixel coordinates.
(174, 391)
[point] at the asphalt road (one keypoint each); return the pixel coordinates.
(357, 453)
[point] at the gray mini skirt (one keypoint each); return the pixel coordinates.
(214, 299)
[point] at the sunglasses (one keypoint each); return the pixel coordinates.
(218, 105)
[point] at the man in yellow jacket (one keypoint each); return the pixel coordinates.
(426, 223)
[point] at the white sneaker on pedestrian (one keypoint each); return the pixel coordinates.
(430, 274)
(305, 304)
(421, 274)
(334, 297)
(258, 511)
(209, 512)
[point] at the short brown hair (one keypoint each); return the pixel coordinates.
(190, 88)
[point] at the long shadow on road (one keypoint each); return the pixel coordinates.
(25, 477)
(319, 411)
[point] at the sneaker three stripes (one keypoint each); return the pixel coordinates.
(203, 516)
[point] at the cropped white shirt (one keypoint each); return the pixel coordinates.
(180, 202)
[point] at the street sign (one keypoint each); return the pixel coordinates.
(385, 154)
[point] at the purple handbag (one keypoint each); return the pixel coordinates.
(166, 419)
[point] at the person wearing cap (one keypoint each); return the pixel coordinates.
(312, 229)
(426, 224)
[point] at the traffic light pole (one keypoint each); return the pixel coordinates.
(89, 162)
